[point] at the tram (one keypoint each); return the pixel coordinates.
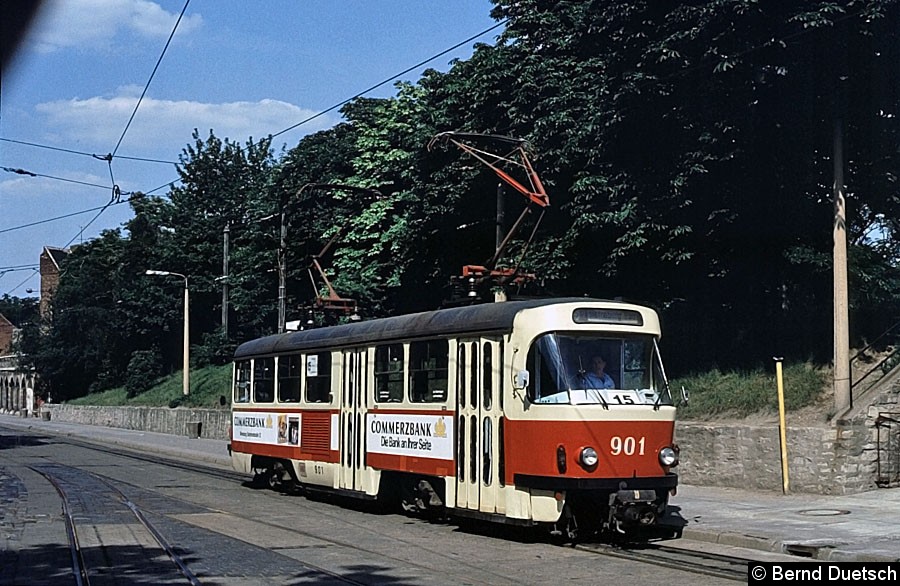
(490, 411)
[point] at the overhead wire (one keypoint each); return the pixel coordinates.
(82, 153)
(115, 201)
(28, 278)
(62, 217)
(369, 89)
(684, 71)
(152, 74)
(284, 131)
(388, 80)
(116, 194)
(32, 174)
(12, 268)
(5, 270)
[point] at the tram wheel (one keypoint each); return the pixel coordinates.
(259, 479)
(419, 497)
(566, 529)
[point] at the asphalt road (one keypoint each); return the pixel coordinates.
(228, 533)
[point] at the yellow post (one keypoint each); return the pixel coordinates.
(786, 486)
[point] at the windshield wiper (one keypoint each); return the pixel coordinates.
(665, 380)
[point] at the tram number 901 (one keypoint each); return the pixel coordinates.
(626, 445)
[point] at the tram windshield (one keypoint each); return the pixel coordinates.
(583, 369)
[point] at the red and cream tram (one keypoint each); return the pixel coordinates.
(491, 411)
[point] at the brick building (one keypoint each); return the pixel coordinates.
(7, 330)
(17, 383)
(51, 261)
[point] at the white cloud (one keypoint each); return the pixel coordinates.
(165, 126)
(92, 23)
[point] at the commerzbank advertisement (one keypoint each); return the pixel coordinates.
(266, 428)
(424, 436)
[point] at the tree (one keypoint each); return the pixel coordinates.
(223, 184)
(686, 149)
(83, 346)
(689, 145)
(20, 311)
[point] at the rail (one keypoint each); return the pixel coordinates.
(89, 513)
(884, 366)
(695, 562)
(887, 463)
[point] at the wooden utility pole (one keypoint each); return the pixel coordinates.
(282, 270)
(225, 236)
(842, 397)
(501, 217)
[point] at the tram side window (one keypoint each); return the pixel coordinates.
(389, 373)
(289, 379)
(461, 374)
(473, 378)
(264, 380)
(487, 370)
(318, 378)
(428, 374)
(242, 381)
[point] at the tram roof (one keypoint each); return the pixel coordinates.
(474, 319)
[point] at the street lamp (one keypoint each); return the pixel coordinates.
(185, 384)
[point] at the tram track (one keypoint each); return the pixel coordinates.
(82, 569)
(79, 567)
(317, 535)
(703, 563)
(82, 513)
(724, 567)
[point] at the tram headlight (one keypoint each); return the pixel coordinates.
(589, 457)
(668, 456)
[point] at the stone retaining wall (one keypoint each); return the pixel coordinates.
(214, 423)
(837, 458)
(749, 456)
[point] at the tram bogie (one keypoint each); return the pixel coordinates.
(552, 413)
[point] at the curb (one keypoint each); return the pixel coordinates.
(175, 453)
(734, 539)
(802, 551)
(223, 461)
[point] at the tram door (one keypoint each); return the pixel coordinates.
(352, 427)
(478, 419)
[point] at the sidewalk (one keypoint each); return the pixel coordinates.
(860, 527)
(214, 452)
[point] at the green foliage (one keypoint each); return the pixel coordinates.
(215, 350)
(739, 394)
(21, 312)
(87, 346)
(208, 386)
(712, 394)
(144, 369)
(685, 147)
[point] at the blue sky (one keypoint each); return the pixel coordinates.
(239, 68)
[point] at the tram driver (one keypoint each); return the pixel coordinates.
(584, 383)
(596, 378)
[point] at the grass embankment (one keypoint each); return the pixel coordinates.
(208, 385)
(741, 394)
(712, 394)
